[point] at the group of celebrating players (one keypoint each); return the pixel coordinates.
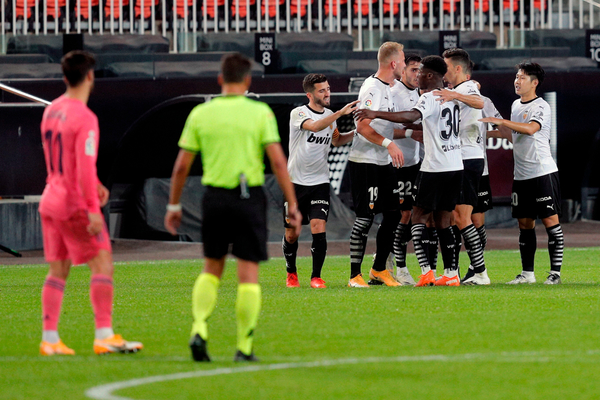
(418, 157)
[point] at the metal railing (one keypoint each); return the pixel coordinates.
(17, 92)
(182, 20)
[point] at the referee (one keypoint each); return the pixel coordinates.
(232, 132)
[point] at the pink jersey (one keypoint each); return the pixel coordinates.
(70, 136)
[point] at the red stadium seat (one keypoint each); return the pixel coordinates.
(85, 10)
(334, 6)
(147, 8)
(243, 7)
(117, 10)
(51, 9)
(20, 8)
(303, 7)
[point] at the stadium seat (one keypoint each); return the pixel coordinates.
(115, 6)
(20, 8)
(301, 6)
(147, 8)
(242, 10)
(51, 9)
(30, 71)
(85, 9)
(333, 6)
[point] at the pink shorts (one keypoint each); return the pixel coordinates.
(69, 240)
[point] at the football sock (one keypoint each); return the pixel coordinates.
(448, 244)
(527, 247)
(204, 299)
(101, 294)
(319, 251)
(482, 236)
(400, 243)
(50, 336)
(432, 248)
(458, 247)
(104, 333)
(247, 308)
(52, 296)
(290, 250)
(385, 239)
(418, 234)
(556, 244)
(474, 249)
(358, 242)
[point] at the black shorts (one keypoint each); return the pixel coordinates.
(537, 197)
(470, 181)
(406, 181)
(484, 196)
(228, 219)
(374, 188)
(313, 203)
(437, 191)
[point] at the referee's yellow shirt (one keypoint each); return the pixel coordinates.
(231, 133)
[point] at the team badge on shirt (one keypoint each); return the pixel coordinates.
(90, 144)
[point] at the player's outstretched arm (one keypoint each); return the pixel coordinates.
(525, 128)
(363, 128)
(184, 162)
(319, 125)
(279, 168)
(472, 100)
(340, 139)
(502, 133)
(400, 117)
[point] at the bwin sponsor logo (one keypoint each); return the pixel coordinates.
(318, 140)
(539, 199)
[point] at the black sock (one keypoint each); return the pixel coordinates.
(358, 242)
(556, 245)
(319, 251)
(401, 238)
(447, 244)
(527, 247)
(290, 250)
(385, 239)
(458, 238)
(418, 233)
(482, 236)
(474, 249)
(432, 248)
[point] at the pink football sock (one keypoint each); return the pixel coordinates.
(101, 294)
(52, 295)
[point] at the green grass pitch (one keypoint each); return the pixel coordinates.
(495, 342)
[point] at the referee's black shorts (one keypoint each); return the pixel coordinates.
(227, 219)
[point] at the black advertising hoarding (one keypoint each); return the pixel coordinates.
(592, 44)
(449, 40)
(265, 52)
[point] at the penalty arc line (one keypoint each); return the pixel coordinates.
(105, 392)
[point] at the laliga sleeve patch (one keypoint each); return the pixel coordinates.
(368, 103)
(90, 144)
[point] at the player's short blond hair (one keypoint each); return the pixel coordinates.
(388, 50)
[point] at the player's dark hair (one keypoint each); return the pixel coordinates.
(235, 67)
(533, 70)
(308, 84)
(471, 67)
(412, 57)
(435, 64)
(75, 66)
(458, 57)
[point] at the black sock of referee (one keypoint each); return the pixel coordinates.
(527, 247)
(556, 245)
(482, 236)
(290, 250)
(319, 251)
(385, 238)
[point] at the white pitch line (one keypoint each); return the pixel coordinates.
(105, 392)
